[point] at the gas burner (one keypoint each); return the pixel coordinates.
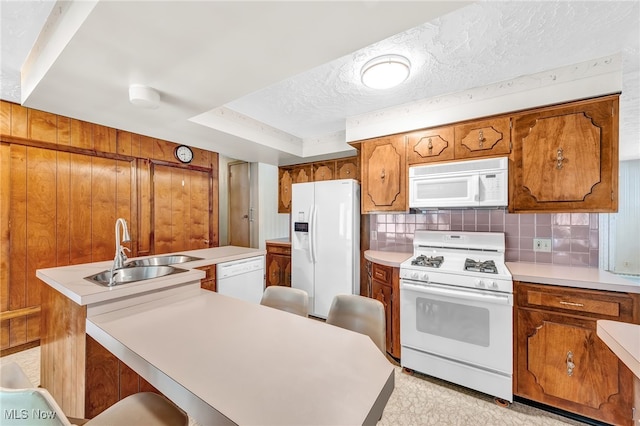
(488, 266)
(431, 262)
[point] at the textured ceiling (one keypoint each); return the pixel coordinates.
(264, 79)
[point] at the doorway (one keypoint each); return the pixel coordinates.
(240, 212)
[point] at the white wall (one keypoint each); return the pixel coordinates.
(620, 252)
(271, 224)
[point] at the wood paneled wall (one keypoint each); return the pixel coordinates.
(63, 184)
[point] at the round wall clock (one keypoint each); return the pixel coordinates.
(184, 154)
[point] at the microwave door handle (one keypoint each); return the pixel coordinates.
(475, 185)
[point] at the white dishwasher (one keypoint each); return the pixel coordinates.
(242, 279)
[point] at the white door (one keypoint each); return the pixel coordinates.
(302, 265)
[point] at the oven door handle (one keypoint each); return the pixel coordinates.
(468, 294)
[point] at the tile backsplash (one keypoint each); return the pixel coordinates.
(574, 236)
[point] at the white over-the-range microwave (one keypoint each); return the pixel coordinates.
(461, 184)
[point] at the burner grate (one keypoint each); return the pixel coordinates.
(431, 262)
(488, 266)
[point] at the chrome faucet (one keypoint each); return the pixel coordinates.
(120, 257)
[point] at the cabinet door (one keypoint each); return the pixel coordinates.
(562, 363)
(483, 138)
(278, 270)
(285, 180)
(287, 176)
(347, 168)
(181, 209)
(302, 174)
(382, 292)
(384, 174)
(324, 170)
(430, 145)
(566, 158)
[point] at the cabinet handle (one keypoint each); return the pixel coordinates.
(430, 146)
(480, 138)
(580, 305)
(559, 158)
(382, 175)
(570, 364)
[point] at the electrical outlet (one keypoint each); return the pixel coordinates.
(542, 244)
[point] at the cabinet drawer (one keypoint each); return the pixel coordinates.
(574, 303)
(382, 273)
(592, 303)
(278, 249)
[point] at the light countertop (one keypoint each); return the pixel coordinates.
(284, 241)
(624, 340)
(387, 258)
(225, 361)
(69, 280)
(571, 276)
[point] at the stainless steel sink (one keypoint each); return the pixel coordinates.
(163, 260)
(131, 274)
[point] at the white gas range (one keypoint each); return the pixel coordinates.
(456, 310)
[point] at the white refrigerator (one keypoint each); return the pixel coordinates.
(325, 241)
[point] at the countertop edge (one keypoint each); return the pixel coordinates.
(621, 338)
(69, 280)
(571, 276)
(387, 258)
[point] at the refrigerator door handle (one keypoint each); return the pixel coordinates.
(312, 234)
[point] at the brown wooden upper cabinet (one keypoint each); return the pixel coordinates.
(426, 146)
(565, 158)
(287, 177)
(384, 174)
(347, 168)
(483, 138)
(342, 168)
(324, 171)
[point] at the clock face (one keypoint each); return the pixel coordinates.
(184, 154)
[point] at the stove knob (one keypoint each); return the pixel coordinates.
(424, 276)
(494, 285)
(480, 283)
(414, 275)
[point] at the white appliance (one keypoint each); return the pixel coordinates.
(242, 279)
(475, 183)
(325, 241)
(456, 310)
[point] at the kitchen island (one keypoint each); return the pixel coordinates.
(223, 360)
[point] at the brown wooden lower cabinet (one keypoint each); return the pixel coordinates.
(385, 287)
(209, 281)
(278, 260)
(108, 380)
(560, 361)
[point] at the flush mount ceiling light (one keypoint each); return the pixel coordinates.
(144, 96)
(385, 71)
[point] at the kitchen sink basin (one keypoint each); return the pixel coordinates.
(163, 260)
(131, 274)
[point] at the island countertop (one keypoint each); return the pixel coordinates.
(69, 280)
(228, 361)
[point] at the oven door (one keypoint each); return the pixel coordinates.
(461, 324)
